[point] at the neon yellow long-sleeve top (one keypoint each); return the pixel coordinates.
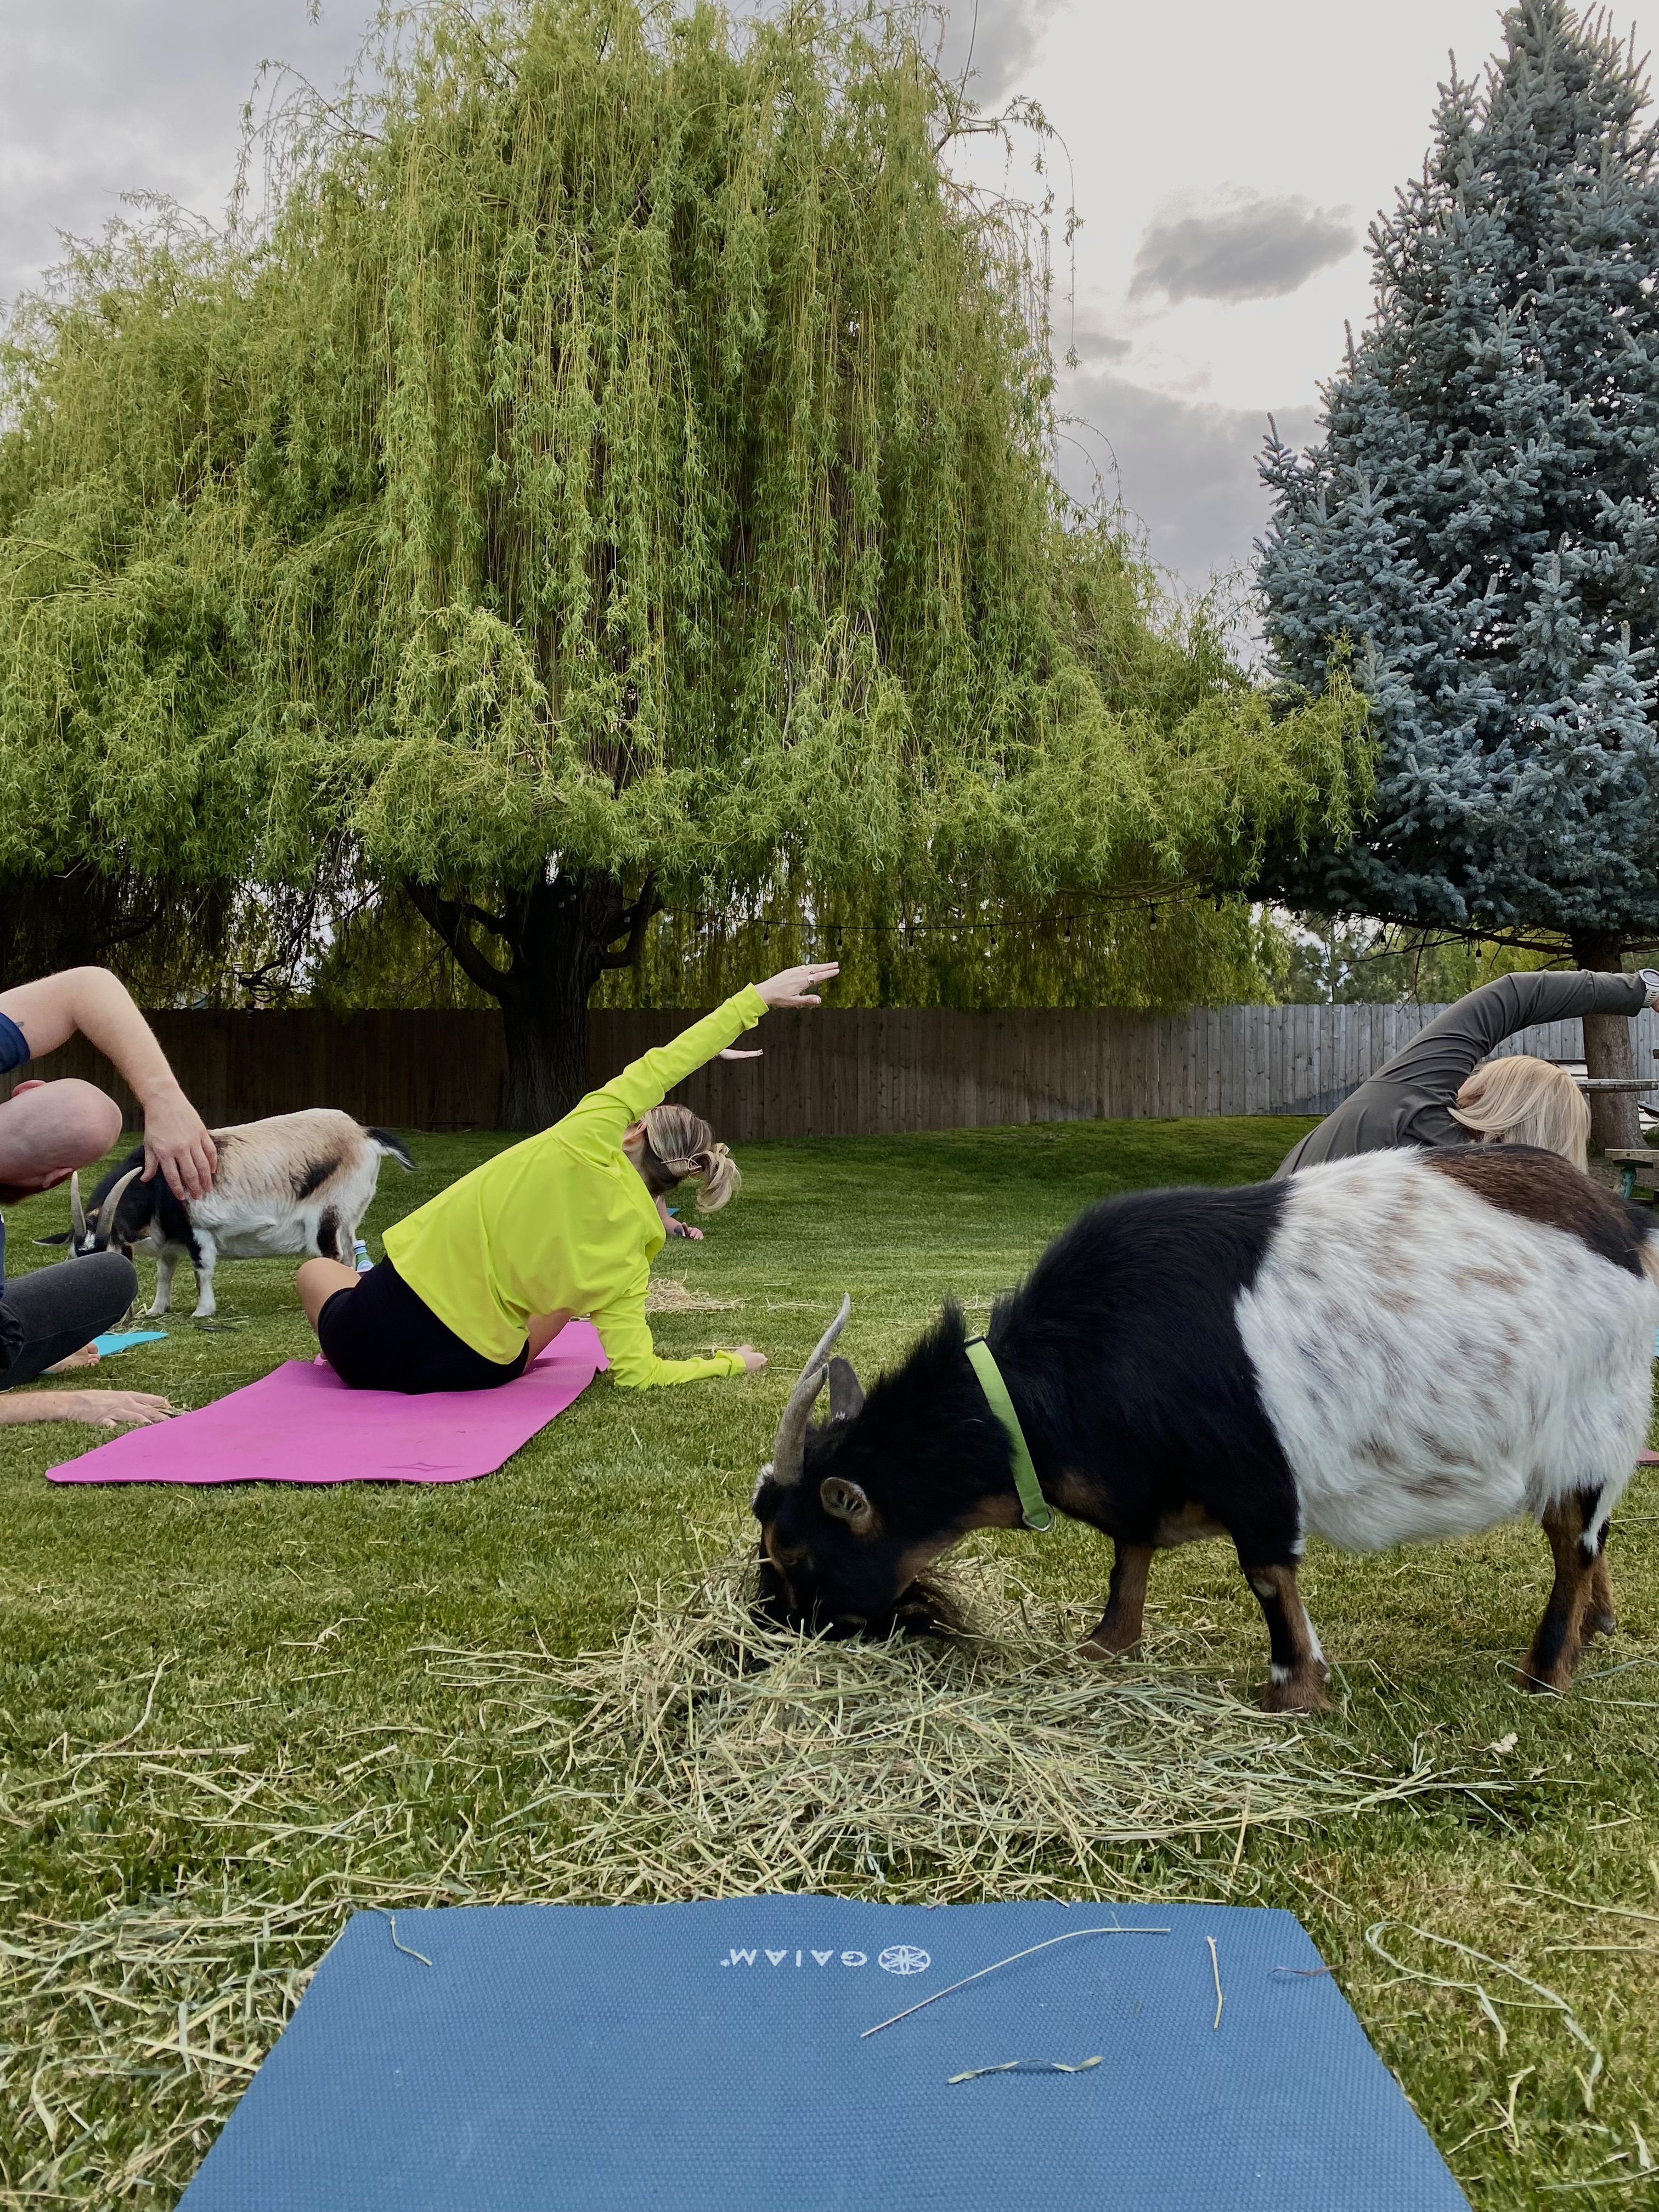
(564, 1222)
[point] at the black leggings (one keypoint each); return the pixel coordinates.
(380, 1335)
(63, 1307)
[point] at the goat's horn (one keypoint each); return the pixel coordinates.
(78, 1219)
(112, 1205)
(789, 1452)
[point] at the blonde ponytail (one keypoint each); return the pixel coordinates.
(684, 1145)
(1518, 1100)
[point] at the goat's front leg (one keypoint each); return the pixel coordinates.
(1119, 1627)
(207, 1254)
(163, 1301)
(1296, 1681)
(1599, 1616)
(1573, 1601)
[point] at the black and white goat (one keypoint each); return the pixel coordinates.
(1391, 1349)
(293, 1184)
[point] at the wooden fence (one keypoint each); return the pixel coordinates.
(843, 1072)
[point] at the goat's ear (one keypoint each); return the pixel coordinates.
(848, 1502)
(846, 1392)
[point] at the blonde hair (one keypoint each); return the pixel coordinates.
(1518, 1100)
(682, 1143)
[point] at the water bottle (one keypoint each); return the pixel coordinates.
(359, 1255)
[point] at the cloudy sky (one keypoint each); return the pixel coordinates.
(1227, 160)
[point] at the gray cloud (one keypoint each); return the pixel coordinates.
(104, 97)
(1249, 248)
(993, 44)
(1091, 341)
(1186, 469)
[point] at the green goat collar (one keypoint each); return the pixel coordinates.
(1035, 1509)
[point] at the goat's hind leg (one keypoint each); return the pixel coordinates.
(1581, 1596)
(1296, 1682)
(1119, 1627)
(205, 1256)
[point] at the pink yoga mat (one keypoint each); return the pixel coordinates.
(300, 1423)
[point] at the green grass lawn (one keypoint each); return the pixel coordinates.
(156, 1642)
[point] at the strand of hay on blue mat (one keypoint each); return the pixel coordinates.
(709, 1754)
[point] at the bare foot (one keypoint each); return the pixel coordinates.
(85, 1357)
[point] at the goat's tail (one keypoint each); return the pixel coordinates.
(387, 1142)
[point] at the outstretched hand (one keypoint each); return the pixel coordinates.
(103, 1409)
(793, 987)
(107, 1409)
(731, 1052)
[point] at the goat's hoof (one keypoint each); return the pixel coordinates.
(1303, 1693)
(1108, 1641)
(1603, 1622)
(1554, 1682)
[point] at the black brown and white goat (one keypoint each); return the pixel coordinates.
(295, 1183)
(1391, 1349)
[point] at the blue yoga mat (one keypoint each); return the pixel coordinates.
(708, 2058)
(123, 1340)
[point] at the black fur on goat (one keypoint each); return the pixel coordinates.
(143, 1203)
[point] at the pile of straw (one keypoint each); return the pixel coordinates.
(709, 1754)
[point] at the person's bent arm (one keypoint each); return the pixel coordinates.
(626, 1335)
(1408, 1101)
(90, 1000)
(1441, 1058)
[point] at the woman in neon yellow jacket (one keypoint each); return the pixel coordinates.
(476, 1281)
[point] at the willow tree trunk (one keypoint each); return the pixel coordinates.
(545, 1019)
(559, 938)
(1608, 1050)
(561, 947)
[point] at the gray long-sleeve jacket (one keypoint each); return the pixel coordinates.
(1408, 1101)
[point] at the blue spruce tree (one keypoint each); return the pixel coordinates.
(1481, 523)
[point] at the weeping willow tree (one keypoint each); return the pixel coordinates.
(612, 480)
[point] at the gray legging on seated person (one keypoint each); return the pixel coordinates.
(62, 1307)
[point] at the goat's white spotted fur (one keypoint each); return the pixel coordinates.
(1433, 1365)
(251, 1212)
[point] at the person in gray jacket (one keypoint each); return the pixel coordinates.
(1435, 1092)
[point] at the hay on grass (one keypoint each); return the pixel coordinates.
(704, 1754)
(709, 1754)
(668, 1294)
